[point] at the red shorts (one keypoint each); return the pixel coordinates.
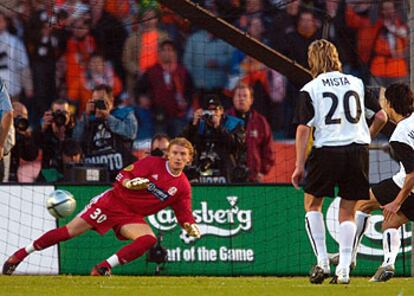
(105, 212)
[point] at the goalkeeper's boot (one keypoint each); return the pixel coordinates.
(10, 265)
(318, 274)
(383, 274)
(100, 271)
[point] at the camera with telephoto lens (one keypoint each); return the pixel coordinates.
(207, 115)
(100, 104)
(21, 123)
(59, 117)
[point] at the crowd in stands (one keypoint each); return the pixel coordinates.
(111, 74)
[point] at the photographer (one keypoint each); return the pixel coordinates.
(106, 133)
(159, 145)
(57, 126)
(219, 141)
(71, 154)
(260, 157)
(25, 147)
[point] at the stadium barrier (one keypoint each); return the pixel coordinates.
(247, 230)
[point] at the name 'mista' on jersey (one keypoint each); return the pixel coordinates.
(336, 105)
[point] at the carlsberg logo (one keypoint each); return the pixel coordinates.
(222, 222)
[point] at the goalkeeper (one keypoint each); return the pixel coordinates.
(142, 189)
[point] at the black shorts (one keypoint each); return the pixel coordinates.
(346, 167)
(386, 191)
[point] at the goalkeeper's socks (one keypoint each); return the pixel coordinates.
(135, 249)
(391, 243)
(361, 222)
(347, 230)
(51, 237)
(315, 228)
(20, 254)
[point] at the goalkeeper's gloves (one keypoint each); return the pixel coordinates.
(192, 230)
(136, 183)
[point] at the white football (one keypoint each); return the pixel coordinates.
(60, 203)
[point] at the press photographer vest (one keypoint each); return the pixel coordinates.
(102, 146)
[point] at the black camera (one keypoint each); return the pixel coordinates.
(21, 123)
(207, 115)
(100, 104)
(59, 117)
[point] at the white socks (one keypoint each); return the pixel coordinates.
(113, 261)
(315, 227)
(347, 231)
(30, 248)
(391, 243)
(361, 221)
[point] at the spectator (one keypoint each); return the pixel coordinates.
(70, 153)
(109, 33)
(57, 126)
(14, 64)
(388, 64)
(357, 17)
(26, 148)
(260, 157)
(141, 48)
(146, 130)
(159, 145)
(208, 60)
(297, 41)
(79, 50)
(218, 140)
(251, 72)
(106, 133)
(7, 135)
(295, 45)
(43, 52)
(98, 72)
(283, 23)
(170, 88)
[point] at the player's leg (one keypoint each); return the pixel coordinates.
(347, 230)
(142, 238)
(391, 242)
(363, 211)
(74, 228)
(315, 228)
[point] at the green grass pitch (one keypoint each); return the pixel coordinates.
(195, 286)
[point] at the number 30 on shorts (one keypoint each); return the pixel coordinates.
(98, 216)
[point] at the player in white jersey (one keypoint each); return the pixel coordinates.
(396, 194)
(336, 106)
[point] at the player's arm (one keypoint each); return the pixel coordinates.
(405, 154)
(373, 109)
(183, 211)
(303, 117)
(132, 178)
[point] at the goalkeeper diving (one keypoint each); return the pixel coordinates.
(141, 189)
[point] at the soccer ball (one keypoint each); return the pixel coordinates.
(60, 203)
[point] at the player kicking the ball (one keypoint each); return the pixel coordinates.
(335, 105)
(142, 189)
(394, 195)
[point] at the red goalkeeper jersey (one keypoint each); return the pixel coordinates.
(165, 189)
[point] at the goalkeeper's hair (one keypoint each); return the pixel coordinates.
(323, 57)
(183, 142)
(401, 98)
